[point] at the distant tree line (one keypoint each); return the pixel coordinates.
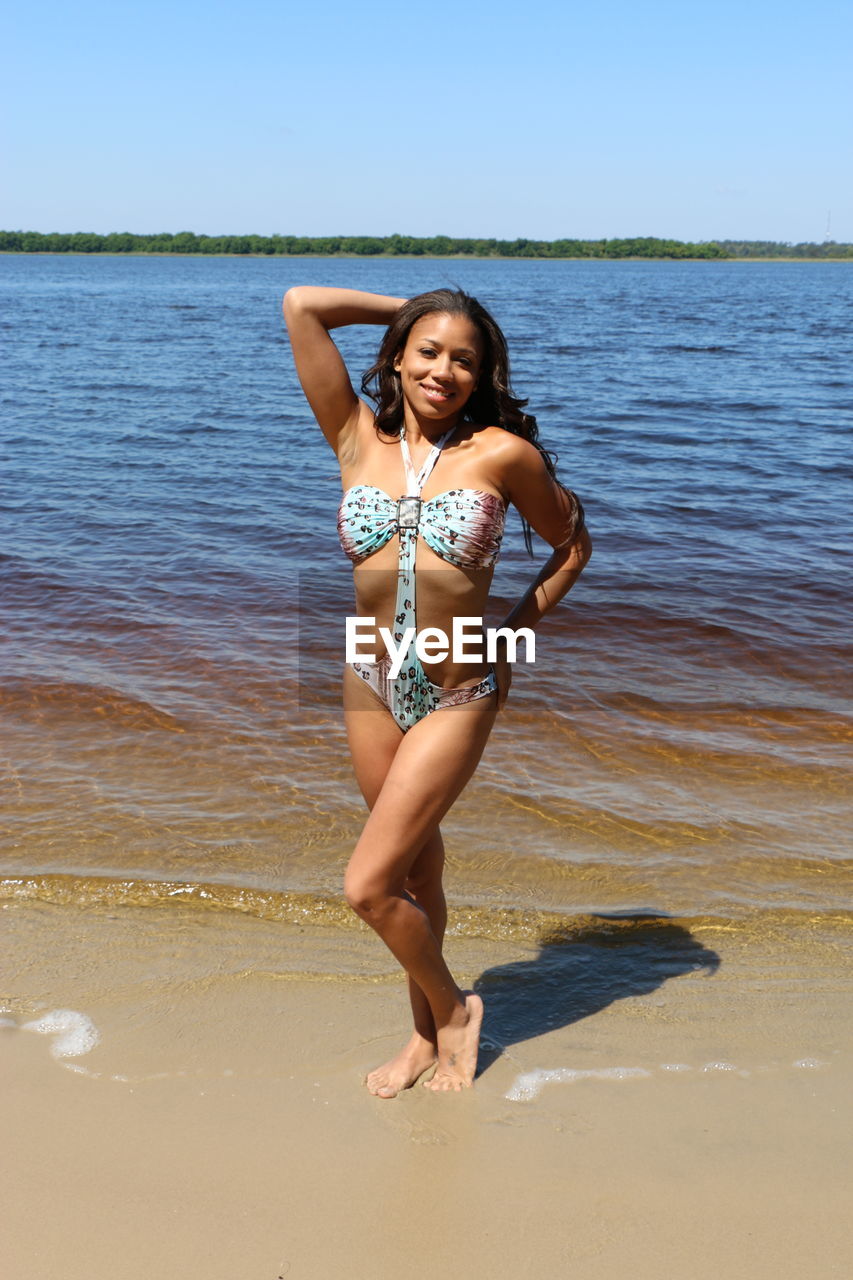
(407, 246)
(777, 249)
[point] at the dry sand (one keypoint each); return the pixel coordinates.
(219, 1130)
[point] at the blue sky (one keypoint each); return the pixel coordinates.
(482, 118)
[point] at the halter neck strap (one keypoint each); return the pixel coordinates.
(415, 482)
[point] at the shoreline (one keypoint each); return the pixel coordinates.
(402, 257)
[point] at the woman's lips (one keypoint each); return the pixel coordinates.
(439, 394)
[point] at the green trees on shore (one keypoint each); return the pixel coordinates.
(775, 249)
(406, 246)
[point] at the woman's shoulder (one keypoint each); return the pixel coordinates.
(504, 448)
(503, 459)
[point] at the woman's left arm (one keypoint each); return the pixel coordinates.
(556, 577)
(553, 514)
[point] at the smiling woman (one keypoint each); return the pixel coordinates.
(428, 475)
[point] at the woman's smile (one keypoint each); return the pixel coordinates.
(437, 394)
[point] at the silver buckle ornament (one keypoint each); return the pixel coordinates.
(408, 513)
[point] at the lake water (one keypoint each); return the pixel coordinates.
(681, 747)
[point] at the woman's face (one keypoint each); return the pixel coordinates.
(440, 364)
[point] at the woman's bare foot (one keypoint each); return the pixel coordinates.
(402, 1072)
(458, 1045)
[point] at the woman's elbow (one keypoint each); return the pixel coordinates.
(292, 301)
(576, 555)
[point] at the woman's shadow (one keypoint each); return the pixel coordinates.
(580, 971)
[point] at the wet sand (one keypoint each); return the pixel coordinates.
(219, 1126)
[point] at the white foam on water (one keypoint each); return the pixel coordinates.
(530, 1083)
(74, 1033)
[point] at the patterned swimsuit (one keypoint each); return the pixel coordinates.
(463, 527)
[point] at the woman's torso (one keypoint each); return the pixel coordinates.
(462, 514)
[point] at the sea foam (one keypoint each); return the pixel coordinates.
(529, 1084)
(75, 1033)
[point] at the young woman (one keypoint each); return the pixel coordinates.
(427, 477)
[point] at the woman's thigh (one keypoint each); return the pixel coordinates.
(373, 741)
(426, 773)
(373, 736)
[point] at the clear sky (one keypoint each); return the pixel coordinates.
(478, 118)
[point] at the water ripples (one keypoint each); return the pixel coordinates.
(168, 516)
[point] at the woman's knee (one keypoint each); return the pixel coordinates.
(368, 894)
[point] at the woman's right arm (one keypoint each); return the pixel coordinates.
(310, 312)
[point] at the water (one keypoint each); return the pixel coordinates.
(682, 745)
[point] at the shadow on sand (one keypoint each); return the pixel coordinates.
(580, 971)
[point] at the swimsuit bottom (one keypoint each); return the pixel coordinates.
(409, 704)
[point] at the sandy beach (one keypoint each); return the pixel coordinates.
(218, 1127)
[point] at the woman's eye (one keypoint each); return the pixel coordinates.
(427, 351)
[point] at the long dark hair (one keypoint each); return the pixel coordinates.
(492, 403)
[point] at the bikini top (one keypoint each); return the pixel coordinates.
(462, 526)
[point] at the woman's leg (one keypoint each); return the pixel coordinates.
(374, 738)
(424, 885)
(429, 768)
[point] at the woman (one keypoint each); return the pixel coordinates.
(449, 439)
